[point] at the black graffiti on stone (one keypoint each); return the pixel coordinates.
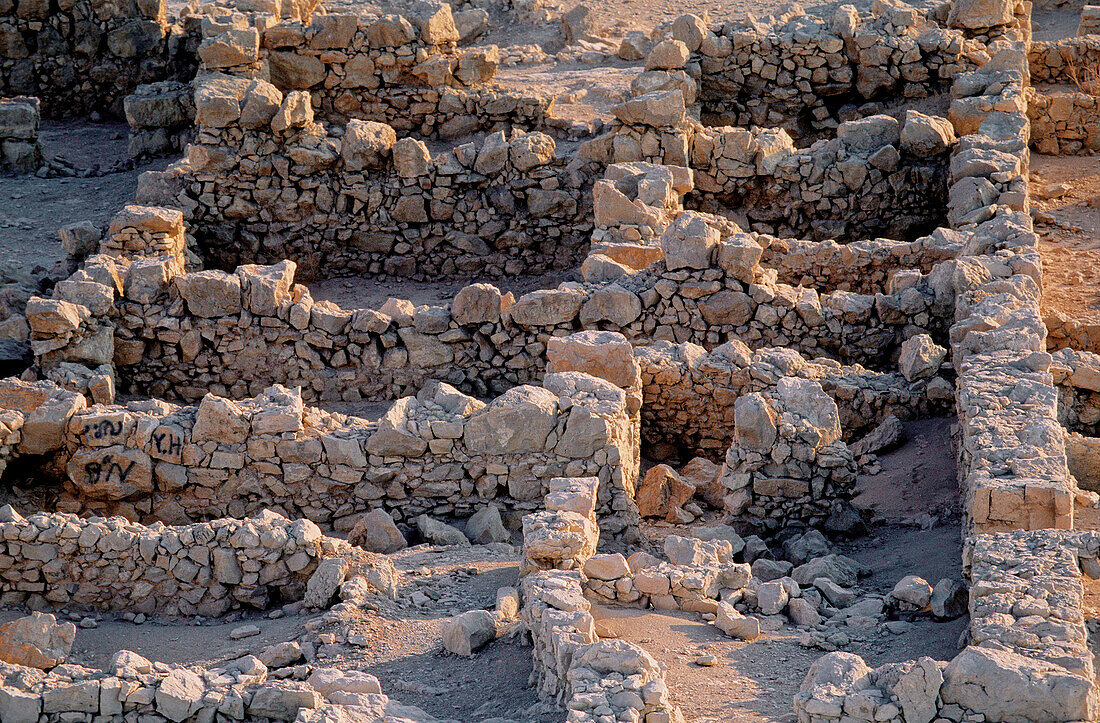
(167, 442)
(108, 469)
(104, 429)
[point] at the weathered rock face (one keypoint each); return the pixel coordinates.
(469, 632)
(1008, 686)
(375, 531)
(36, 641)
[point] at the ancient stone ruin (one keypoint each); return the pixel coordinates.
(396, 368)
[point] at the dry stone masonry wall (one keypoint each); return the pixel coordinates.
(113, 564)
(20, 151)
(401, 70)
(263, 182)
(444, 454)
(85, 56)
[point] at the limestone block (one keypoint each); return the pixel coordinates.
(36, 641)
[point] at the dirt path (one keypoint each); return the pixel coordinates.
(1069, 228)
(918, 478)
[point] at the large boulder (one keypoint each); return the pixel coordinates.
(518, 421)
(36, 641)
(603, 354)
(689, 242)
(210, 294)
(325, 582)
(658, 108)
(920, 357)
(440, 533)
(367, 144)
(926, 135)
(1006, 686)
(866, 135)
(547, 307)
(375, 531)
(662, 493)
(980, 14)
(736, 625)
(469, 632)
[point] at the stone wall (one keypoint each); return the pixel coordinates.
(787, 461)
(133, 688)
(796, 71)
(442, 453)
(1063, 123)
(998, 341)
(161, 118)
(20, 151)
(1060, 61)
(401, 70)
(690, 394)
(703, 575)
(876, 177)
(592, 678)
(183, 342)
(263, 182)
(866, 266)
(204, 569)
(1064, 332)
(1077, 377)
(85, 56)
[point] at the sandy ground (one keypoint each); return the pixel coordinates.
(1054, 24)
(32, 209)
(916, 479)
(1070, 241)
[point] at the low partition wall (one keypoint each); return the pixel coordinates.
(797, 71)
(1064, 332)
(263, 329)
(867, 266)
(593, 679)
(1063, 123)
(443, 453)
(134, 688)
(263, 182)
(1077, 377)
(178, 335)
(400, 69)
(1061, 61)
(875, 177)
(204, 569)
(690, 394)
